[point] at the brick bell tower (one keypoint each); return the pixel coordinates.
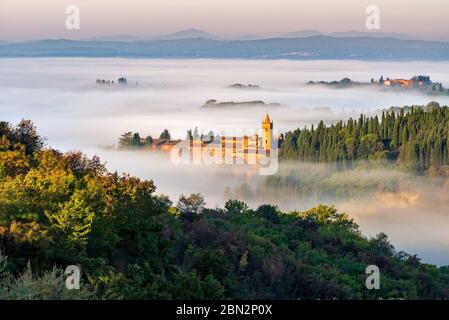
(267, 134)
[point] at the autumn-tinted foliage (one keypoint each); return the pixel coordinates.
(62, 209)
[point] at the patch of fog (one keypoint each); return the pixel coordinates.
(73, 112)
(416, 222)
(411, 210)
(61, 95)
(174, 180)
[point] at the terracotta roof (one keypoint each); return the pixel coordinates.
(171, 142)
(159, 141)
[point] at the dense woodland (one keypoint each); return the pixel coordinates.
(415, 137)
(63, 209)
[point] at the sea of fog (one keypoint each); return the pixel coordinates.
(73, 112)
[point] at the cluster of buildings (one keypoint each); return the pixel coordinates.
(398, 82)
(417, 81)
(162, 144)
(247, 149)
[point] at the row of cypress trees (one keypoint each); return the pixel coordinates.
(415, 136)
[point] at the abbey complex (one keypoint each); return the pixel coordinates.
(246, 149)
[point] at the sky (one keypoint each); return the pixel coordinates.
(25, 19)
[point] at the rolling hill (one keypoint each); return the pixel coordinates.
(307, 48)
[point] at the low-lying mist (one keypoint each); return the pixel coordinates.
(410, 209)
(63, 99)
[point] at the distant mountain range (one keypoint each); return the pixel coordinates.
(187, 34)
(196, 33)
(183, 34)
(347, 34)
(302, 45)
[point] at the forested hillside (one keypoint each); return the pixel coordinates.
(63, 209)
(414, 137)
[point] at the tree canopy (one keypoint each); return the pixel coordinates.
(415, 137)
(59, 209)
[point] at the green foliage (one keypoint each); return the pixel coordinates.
(269, 212)
(416, 137)
(165, 135)
(49, 286)
(135, 141)
(23, 136)
(3, 265)
(59, 209)
(148, 140)
(235, 207)
(125, 140)
(192, 204)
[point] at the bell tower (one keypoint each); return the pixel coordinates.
(267, 134)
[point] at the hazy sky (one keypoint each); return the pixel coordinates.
(25, 19)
